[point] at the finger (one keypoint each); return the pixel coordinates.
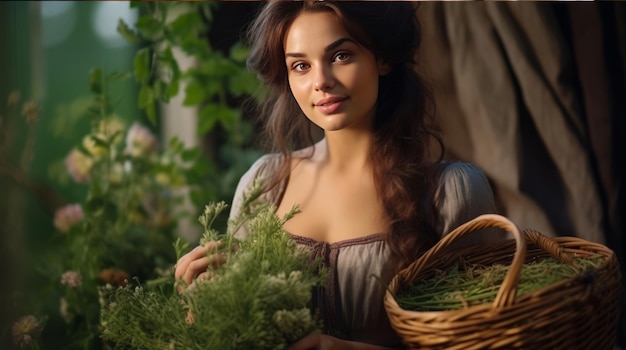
(196, 253)
(195, 268)
(205, 276)
(216, 260)
(183, 263)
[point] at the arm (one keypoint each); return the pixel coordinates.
(465, 193)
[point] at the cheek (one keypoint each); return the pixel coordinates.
(298, 90)
(366, 83)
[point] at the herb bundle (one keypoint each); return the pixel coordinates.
(464, 284)
(257, 300)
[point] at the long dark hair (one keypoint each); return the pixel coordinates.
(404, 173)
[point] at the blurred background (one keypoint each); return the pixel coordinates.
(531, 92)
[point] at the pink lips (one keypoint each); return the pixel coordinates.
(330, 105)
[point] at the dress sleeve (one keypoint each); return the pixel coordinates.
(260, 168)
(465, 193)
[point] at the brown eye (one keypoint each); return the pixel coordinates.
(342, 56)
(300, 67)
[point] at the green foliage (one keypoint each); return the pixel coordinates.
(257, 300)
(125, 225)
(122, 230)
(169, 26)
(215, 84)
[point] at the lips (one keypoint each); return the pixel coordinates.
(329, 100)
(330, 105)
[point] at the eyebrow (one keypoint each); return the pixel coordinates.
(330, 47)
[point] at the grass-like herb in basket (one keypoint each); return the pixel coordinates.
(465, 284)
(258, 299)
(530, 292)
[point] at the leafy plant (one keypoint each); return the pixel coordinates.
(216, 84)
(257, 300)
(126, 224)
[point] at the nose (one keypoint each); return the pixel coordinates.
(324, 79)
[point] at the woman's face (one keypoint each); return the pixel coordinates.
(332, 77)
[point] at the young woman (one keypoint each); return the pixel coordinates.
(371, 198)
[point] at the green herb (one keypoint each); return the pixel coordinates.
(464, 285)
(257, 299)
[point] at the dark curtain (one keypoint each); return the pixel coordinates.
(534, 94)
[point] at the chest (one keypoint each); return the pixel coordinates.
(333, 208)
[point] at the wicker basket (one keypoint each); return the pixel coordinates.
(576, 313)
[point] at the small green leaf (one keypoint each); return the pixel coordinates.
(141, 64)
(81, 148)
(208, 116)
(95, 80)
(169, 64)
(180, 247)
(194, 93)
(186, 24)
(149, 27)
(126, 32)
(175, 145)
(228, 116)
(146, 96)
(195, 46)
(147, 102)
(159, 88)
(99, 142)
(151, 112)
(191, 154)
(172, 88)
(239, 52)
(243, 83)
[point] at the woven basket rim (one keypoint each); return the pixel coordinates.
(498, 326)
(566, 243)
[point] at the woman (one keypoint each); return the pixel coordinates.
(371, 199)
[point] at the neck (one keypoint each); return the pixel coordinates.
(343, 150)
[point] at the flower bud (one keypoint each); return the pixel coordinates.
(140, 141)
(67, 216)
(79, 166)
(24, 330)
(30, 111)
(71, 279)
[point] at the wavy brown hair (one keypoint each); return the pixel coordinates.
(405, 175)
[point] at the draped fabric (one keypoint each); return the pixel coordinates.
(534, 94)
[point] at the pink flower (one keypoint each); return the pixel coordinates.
(140, 141)
(79, 166)
(24, 330)
(67, 216)
(71, 278)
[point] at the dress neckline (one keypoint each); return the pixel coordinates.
(374, 237)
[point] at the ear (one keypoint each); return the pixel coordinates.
(383, 67)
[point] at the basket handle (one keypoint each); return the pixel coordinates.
(508, 289)
(548, 244)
